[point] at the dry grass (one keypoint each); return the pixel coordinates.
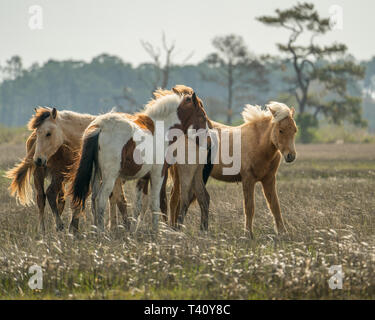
(327, 199)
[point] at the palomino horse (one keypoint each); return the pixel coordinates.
(266, 136)
(109, 150)
(51, 150)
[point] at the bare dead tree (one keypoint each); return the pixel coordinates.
(162, 64)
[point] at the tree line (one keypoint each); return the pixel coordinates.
(323, 82)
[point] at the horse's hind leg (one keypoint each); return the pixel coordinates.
(94, 193)
(109, 177)
(76, 212)
(39, 175)
(121, 203)
(112, 219)
(52, 195)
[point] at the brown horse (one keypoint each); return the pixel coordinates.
(51, 150)
(266, 136)
(109, 150)
(189, 183)
(187, 177)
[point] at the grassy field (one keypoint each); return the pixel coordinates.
(327, 199)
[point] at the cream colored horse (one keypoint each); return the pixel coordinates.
(51, 149)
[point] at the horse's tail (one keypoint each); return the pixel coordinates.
(20, 174)
(83, 168)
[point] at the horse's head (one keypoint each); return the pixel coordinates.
(284, 130)
(49, 136)
(192, 115)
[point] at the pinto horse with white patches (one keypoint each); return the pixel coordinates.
(109, 150)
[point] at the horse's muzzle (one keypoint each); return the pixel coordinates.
(39, 162)
(290, 157)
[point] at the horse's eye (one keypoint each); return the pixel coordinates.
(48, 134)
(281, 131)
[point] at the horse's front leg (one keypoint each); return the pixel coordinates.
(52, 194)
(141, 191)
(186, 176)
(74, 224)
(163, 198)
(203, 198)
(174, 203)
(39, 175)
(61, 200)
(269, 189)
(248, 187)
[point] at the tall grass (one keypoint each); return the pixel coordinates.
(330, 218)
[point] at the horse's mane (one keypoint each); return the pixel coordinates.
(41, 114)
(166, 101)
(163, 106)
(178, 89)
(255, 113)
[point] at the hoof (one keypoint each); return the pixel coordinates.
(249, 234)
(73, 230)
(126, 224)
(204, 228)
(60, 227)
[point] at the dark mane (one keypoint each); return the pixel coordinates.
(37, 119)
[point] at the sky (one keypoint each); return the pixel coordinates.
(83, 29)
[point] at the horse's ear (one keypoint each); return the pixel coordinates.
(293, 111)
(36, 110)
(54, 113)
(175, 91)
(273, 111)
(195, 99)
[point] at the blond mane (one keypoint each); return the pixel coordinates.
(279, 110)
(163, 106)
(179, 89)
(164, 101)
